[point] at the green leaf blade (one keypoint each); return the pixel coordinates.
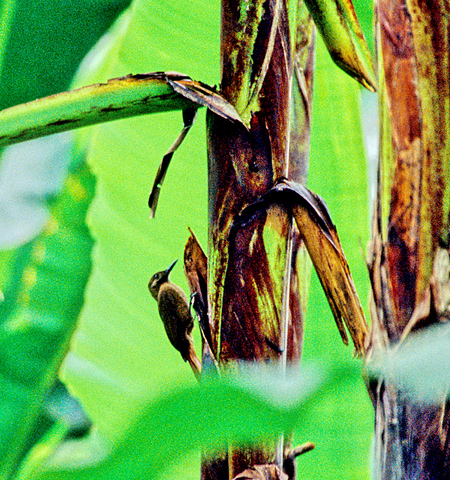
(243, 407)
(342, 34)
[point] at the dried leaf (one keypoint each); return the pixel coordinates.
(196, 271)
(262, 472)
(196, 267)
(204, 95)
(322, 242)
(188, 120)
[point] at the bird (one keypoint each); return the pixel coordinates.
(173, 307)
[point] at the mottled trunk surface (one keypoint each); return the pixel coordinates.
(254, 287)
(410, 232)
(262, 218)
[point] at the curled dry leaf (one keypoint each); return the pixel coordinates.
(203, 95)
(196, 267)
(323, 245)
(262, 472)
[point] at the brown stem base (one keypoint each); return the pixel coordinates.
(411, 438)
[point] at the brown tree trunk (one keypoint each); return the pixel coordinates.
(262, 218)
(410, 232)
(255, 300)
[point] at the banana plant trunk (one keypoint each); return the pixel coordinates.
(256, 302)
(410, 239)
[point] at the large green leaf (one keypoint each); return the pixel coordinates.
(41, 45)
(120, 351)
(34, 338)
(46, 42)
(254, 405)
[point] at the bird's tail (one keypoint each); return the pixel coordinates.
(194, 361)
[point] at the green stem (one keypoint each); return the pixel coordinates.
(118, 98)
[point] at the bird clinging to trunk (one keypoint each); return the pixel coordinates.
(173, 307)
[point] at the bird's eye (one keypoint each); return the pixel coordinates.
(156, 277)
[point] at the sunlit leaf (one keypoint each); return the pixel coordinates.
(342, 34)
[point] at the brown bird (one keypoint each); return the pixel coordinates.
(173, 307)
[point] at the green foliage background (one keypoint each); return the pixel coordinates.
(120, 361)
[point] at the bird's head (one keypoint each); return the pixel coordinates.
(158, 279)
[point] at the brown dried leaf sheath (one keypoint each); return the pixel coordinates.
(196, 271)
(321, 239)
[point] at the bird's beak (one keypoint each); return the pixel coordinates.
(167, 272)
